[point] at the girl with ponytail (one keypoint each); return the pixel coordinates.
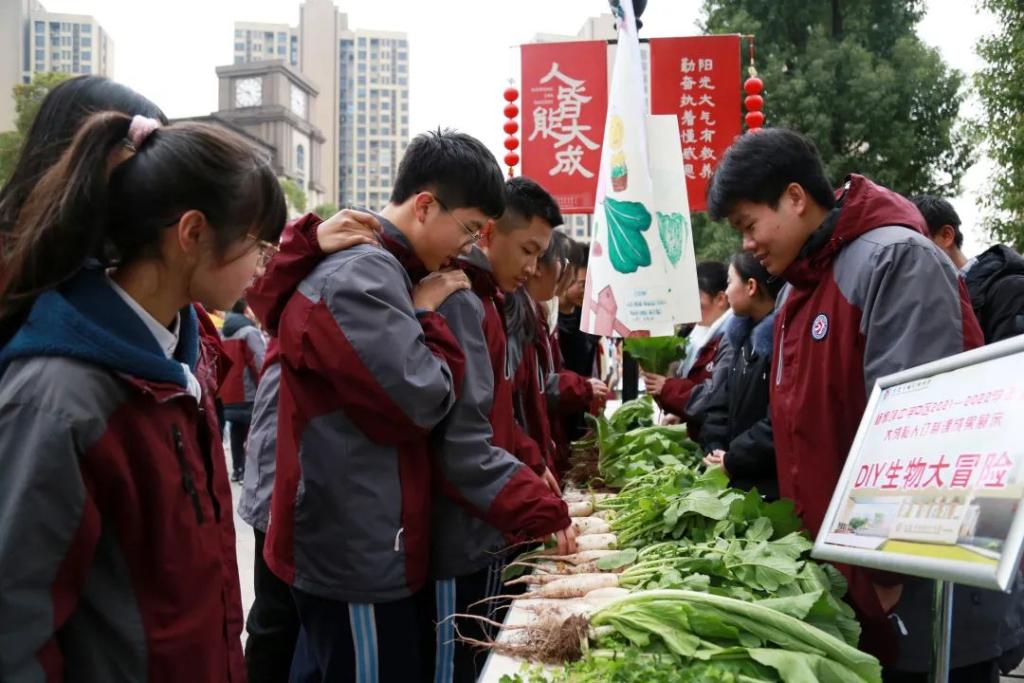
(116, 533)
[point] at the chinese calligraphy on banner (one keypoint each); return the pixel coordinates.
(565, 96)
(698, 80)
(937, 472)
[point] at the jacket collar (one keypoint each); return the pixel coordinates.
(85, 319)
(760, 334)
(478, 268)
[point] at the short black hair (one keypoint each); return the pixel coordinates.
(712, 277)
(240, 307)
(579, 255)
(938, 212)
(525, 200)
(760, 165)
(750, 268)
(457, 167)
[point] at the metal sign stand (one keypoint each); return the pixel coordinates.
(942, 628)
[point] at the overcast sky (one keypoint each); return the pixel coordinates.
(461, 51)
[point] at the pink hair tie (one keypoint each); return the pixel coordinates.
(140, 129)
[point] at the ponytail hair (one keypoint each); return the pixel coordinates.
(749, 268)
(81, 210)
(60, 115)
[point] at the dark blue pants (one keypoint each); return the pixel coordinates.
(456, 661)
(347, 642)
(273, 624)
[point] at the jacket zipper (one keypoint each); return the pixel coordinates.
(782, 344)
(187, 482)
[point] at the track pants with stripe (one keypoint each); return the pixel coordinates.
(456, 661)
(347, 642)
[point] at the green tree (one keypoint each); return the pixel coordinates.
(27, 98)
(856, 79)
(294, 194)
(1001, 87)
(713, 240)
(325, 210)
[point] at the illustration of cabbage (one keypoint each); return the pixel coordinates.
(671, 228)
(627, 222)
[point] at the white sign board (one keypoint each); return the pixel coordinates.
(642, 278)
(935, 478)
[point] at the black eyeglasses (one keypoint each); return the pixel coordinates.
(474, 236)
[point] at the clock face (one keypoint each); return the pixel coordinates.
(298, 101)
(248, 92)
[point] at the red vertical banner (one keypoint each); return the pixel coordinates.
(565, 99)
(697, 80)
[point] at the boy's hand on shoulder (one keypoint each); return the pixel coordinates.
(346, 229)
(432, 290)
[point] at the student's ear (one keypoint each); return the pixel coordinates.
(189, 233)
(721, 300)
(487, 233)
(796, 197)
(753, 289)
(421, 205)
(946, 237)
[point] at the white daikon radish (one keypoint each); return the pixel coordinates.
(584, 526)
(583, 508)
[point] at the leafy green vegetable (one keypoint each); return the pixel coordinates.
(697, 625)
(655, 354)
(625, 456)
(627, 246)
(632, 666)
(633, 414)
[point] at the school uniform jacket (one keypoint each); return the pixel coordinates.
(567, 392)
(117, 546)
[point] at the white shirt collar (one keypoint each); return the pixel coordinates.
(166, 338)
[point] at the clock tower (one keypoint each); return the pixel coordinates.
(271, 101)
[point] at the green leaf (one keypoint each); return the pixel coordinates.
(797, 606)
(627, 247)
(672, 228)
(760, 530)
(783, 516)
(655, 354)
(617, 560)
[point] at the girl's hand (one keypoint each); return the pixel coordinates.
(716, 458)
(654, 383)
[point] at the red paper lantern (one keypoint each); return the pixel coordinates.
(753, 86)
(754, 103)
(511, 127)
(755, 119)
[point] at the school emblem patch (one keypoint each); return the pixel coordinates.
(819, 328)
